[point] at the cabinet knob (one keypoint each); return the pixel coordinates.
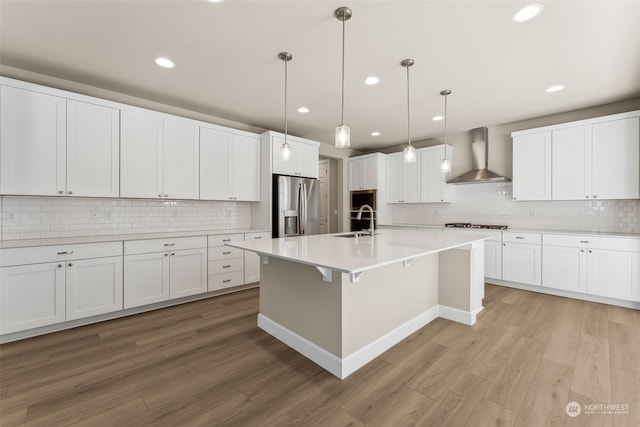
(173, 253)
(586, 197)
(60, 192)
(59, 265)
(595, 197)
(69, 192)
(582, 250)
(590, 251)
(504, 244)
(70, 264)
(159, 195)
(166, 254)
(166, 195)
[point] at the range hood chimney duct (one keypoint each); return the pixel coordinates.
(479, 161)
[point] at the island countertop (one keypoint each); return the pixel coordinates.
(355, 255)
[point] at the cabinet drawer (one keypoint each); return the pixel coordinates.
(261, 235)
(226, 280)
(159, 245)
(628, 244)
(41, 254)
(224, 252)
(221, 239)
(531, 238)
(226, 265)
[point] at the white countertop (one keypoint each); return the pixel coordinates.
(350, 255)
(26, 243)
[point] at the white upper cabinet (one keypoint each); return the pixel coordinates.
(532, 166)
(616, 168)
(363, 173)
(402, 179)
(571, 155)
(53, 146)
(304, 159)
(433, 181)
(590, 159)
(160, 156)
(230, 165)
(93, 150)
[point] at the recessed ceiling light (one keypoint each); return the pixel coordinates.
(375, 133)
(528, 12)
(165, 62)
(438, 118)
(303, 110)
(373, 80)
(555, 88)
(216, 1)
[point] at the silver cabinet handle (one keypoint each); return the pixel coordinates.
(519, 237)
(258, 237)
(65, 253)
(226, 240)
(226, 266)
(584, 241)
(169, 244)
(226, 281)
(226, 253)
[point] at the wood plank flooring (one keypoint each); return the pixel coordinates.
(206, 363)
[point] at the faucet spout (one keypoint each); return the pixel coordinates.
(371, 224)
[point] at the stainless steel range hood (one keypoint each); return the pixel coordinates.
(479, 161)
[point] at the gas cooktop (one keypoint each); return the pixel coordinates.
(470, 225)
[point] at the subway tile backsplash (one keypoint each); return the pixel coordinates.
(51, 217)
(493, 204)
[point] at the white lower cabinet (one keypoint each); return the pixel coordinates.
(226, 264)
(521, 258)
(45, 285)
(159, 269)
(601, 266)
(493, 259)
(251, 259)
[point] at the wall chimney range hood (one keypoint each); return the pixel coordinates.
(479, 161)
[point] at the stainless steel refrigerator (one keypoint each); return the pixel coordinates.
(296, 206)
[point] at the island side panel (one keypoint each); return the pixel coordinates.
(294, 296)
(385, 299)
(462, 282)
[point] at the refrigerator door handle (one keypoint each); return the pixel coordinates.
(304, 208)
(299, 217)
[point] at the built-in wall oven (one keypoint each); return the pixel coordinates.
(359, 199)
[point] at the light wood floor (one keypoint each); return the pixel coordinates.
(206, 363)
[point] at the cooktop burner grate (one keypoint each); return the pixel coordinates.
(471, 225)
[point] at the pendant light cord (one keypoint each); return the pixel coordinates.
(408, 111)
(285, 102)
(343, 44)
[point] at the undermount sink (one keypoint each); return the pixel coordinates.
(358, 234)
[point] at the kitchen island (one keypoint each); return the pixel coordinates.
(342, 300)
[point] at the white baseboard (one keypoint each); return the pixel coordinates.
(343, 367)
(460, 316)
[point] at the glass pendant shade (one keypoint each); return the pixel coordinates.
(343, 136)
(285, 151)
(409, 154)
(446, 165)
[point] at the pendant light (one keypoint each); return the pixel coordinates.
(285, 148)
(446, 162)
(343, 133)
(409, 151)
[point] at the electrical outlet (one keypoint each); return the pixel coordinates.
(11, 216)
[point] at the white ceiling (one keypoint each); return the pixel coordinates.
(227, 63)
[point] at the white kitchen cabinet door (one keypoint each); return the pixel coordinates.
(188, 272)
(306, 159)
(571, 166)
(32, 143)
(616, 159)
(356, 174)
(521, 263)
(93, 150)
(492, 260)
(433, 181)
(403, 179)
(614, 274)
(141, 155)
(251, 259)
(146, 279)
(564, 268)
(215, 174)
(532, 167)
(31, 296)
(94, 286)
(281, 166)
(245, 168)
(181, 176)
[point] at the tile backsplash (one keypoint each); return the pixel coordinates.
(50, 217)
(492, 203)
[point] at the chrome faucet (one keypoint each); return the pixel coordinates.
(371, 225)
